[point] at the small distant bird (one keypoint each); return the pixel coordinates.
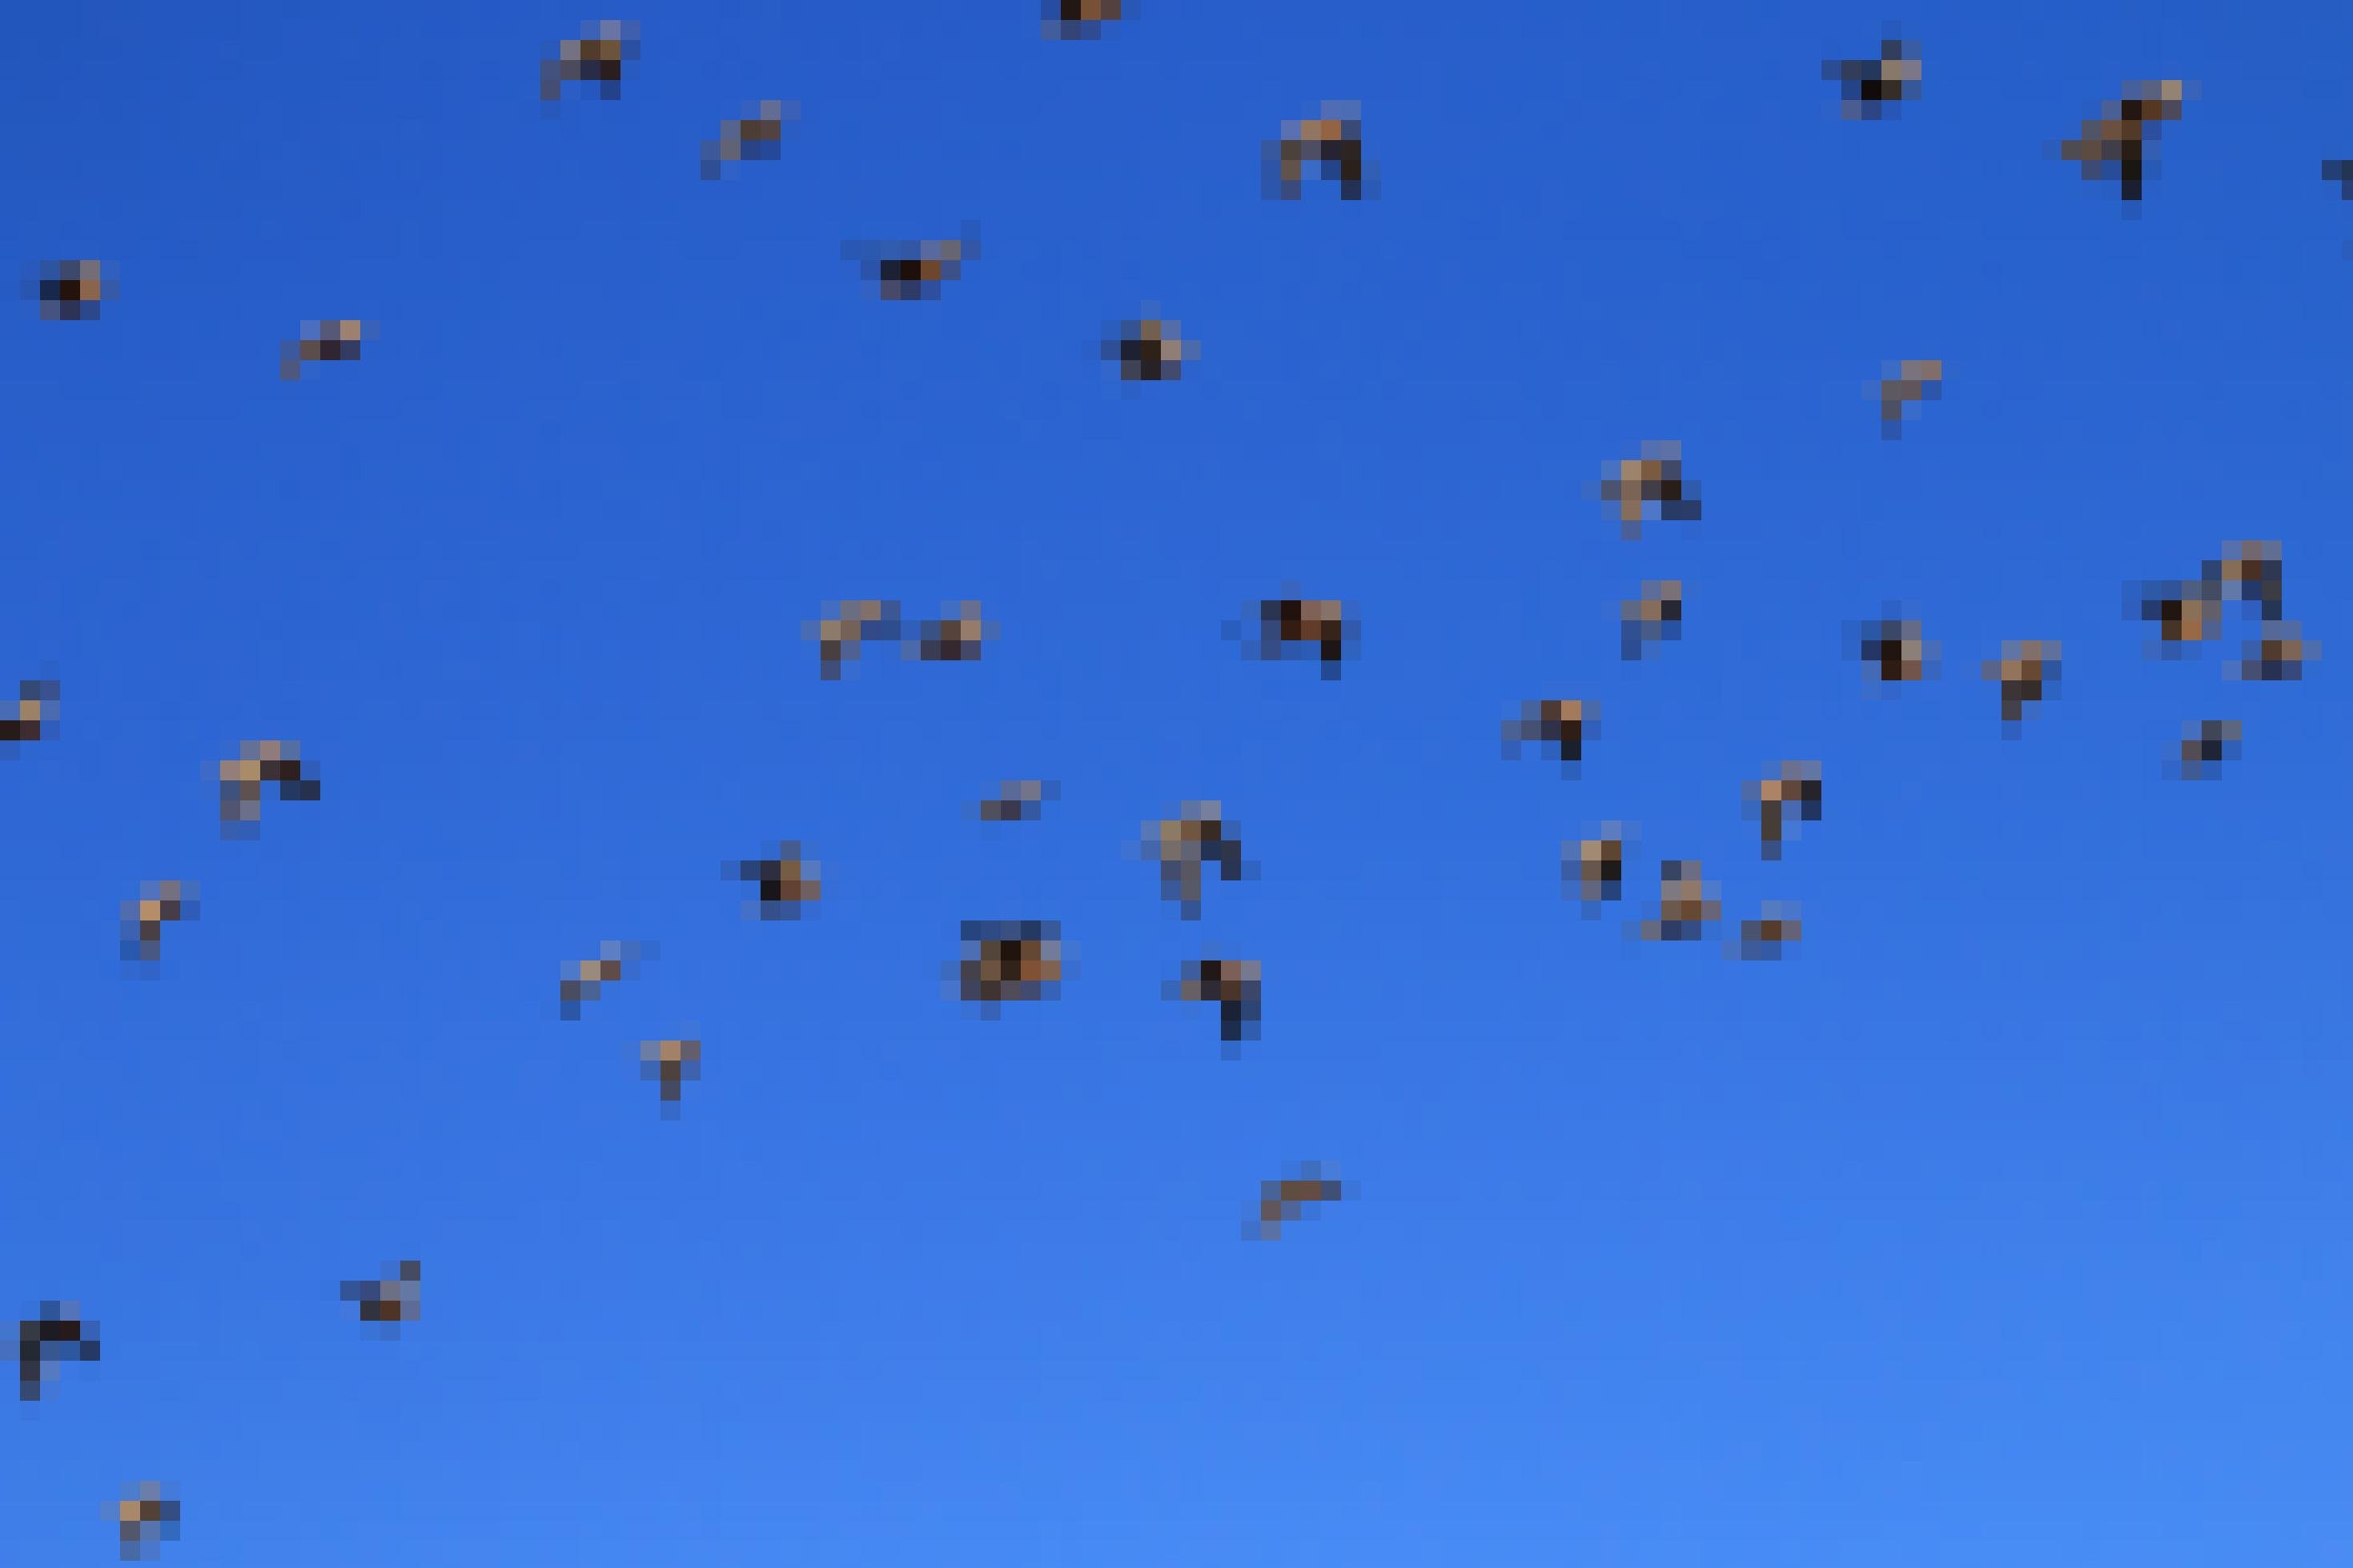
(1293, 1198)
(159, 904)
(594, 58)
(71, 290)
(1874, 89)
(147, 1516)
(1593, 870)
(1653, 480)
(1323, 630)
(2120, 142)
(1010, 960)
(586, 979)
(2028, 672)
(2205, 745)
(1018, 800)
(1769, 938)
(1076, 21)
(1892, 649)
(257, 763)
(1234, 986)
(1333, 145)
(57, 1333)
(914, 268)
(1777, 802)
(791, 882)
(1557, 723)
(674, 1063)
(757, 136)
(391, 1300)
(1687, 905)
(1656, 617)
(321, 342)
(35, 715)
(1186, 845)
(1903, 387)
(1149, 348)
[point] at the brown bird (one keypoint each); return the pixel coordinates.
(674, 1063)
(1291, 1199)
(586, 979)
(1333, 145)
(159, 904)
(1233, 985)
(594, 58)
(1185, 845)
(257, 763)
(2028, 672)
(2120, 144)
(35, 715)
(145, 1518)
(391, 1300)
(1798, 788)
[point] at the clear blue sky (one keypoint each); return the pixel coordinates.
(2002, 1224)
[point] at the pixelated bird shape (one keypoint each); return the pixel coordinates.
(1651, 485)
(2027, 673)
(1296, 1196)
(35, 714)
(1593, 869)
(1234, 986)
(791, 882)
(1010, 960)
(846, 626)
(1197, 839)
(1018, 800)
(2250, 571)
(1291, 629)
(1557, 724)
(1903, 387)
(1892, 649)
(391, 1299)
(756, 136)
(55, 1334)
(258, 764)
(1332, 145)
(1769, 937)
(147, 1516)
(1688, 905)
(71, 290)
(914, 268)
(594, 58)
(321, 342)
(1654, 619)
(1876, 89)
(2185, 613)
(2340, 170)
(2120, 144)
(1076, 21)
(159, 904)
(2205, 745)
(957, 637)
(1780, 800)
(1149, 348)
(2279, 653)
(673, 1063)
(585, 979)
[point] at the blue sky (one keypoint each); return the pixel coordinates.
(1997, 1224)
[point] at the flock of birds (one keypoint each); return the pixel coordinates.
(1024, 961)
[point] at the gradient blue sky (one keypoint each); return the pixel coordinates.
(2002, 1225)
